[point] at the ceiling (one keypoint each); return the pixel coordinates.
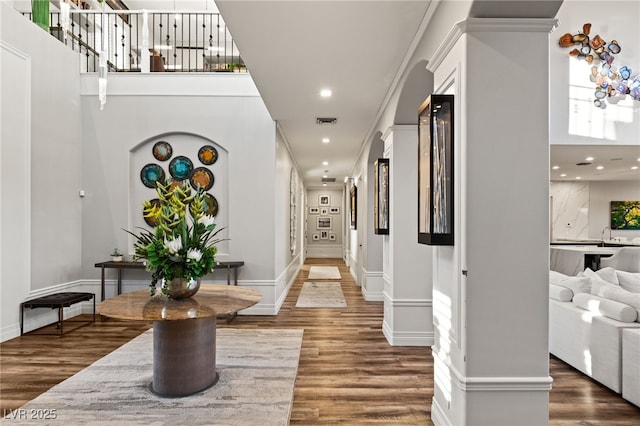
(294, 49)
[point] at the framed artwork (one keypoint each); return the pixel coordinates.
(334, 210)
(625, 215)
(324, 200)
(381, 197)
(315, 236)
(435, 170)
(314, 210)
(324, 211)
(324, 235)
(332, 237)
(354, 206)
(323, 222)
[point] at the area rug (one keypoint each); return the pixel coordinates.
(321, 295)
(257, 370)
(324, 273)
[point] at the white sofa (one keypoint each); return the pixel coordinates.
(588, 318)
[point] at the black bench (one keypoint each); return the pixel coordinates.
(59, 301)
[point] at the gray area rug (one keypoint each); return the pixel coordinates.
(324, 273)
(321, 295)
(257, 371)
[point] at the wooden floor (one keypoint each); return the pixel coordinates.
(347, 374)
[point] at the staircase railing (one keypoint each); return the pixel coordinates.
(134, 41)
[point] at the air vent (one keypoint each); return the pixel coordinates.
(326, 120)
(582, 164)
(328, 179)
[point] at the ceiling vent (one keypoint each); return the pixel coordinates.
(326, 120)
(328, 179)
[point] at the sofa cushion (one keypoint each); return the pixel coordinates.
(616, 293)
(609, 308)
(562, 294)
(630, 281)
(608, 274)
(575, 284)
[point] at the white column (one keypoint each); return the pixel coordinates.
(490, 298)
(407, 273)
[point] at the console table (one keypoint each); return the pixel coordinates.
(228, 265)
(184, 333)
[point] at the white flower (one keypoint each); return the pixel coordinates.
(206, 220)
(194, 254)
(173, 246)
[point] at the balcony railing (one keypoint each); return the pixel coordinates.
(134, 41)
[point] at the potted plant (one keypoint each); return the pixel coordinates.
(181, 248)
(116, 256)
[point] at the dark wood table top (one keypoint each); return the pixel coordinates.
(211, 300)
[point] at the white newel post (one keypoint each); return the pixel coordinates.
(490, 290)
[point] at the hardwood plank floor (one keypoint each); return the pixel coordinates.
(347, 374)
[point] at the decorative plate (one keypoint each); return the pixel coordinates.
(202, 177)
(150, 174)
(181, 167)
(149, 220)
(162, 151)
(208, 155)
(210, 205)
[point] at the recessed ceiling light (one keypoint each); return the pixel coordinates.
(555, 167)
(599, 167)
(325, 163)
(578, 177)
(324, 184)
(326, 140)
(563, 175)
(325, 93)
(325, 176)
(634, 168)
(588, 159)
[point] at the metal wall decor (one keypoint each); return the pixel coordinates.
(612, 83)
(181, 169)
(435, 171)
(381, 197)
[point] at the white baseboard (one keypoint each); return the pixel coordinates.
(373, 287)
(438, 415)
(407, 338)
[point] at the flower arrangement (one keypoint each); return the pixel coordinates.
(183, 242)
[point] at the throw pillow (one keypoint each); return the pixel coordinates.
(608, 274)
(559, 293)
(595, 279)
(617, 293)
(609, 308)
(575, 284)
(630, 281)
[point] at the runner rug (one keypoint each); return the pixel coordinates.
(324, 273)
(321, 295)
(257, 371)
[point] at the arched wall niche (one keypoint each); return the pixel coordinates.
(416, 88)
(171, 146)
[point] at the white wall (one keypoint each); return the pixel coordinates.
(326, 248)
(287, 260)
(227, 110)
(41, 109)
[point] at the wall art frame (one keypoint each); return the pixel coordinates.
(381, 197)
(625, 215)
(436, 170)
(334, 210)
(324, 222)
(324, 235)
(314, 210)
(324, 200)
(324, 211)
(353, 203)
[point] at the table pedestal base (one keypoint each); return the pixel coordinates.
(184, 356)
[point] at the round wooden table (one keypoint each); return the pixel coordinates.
(184, 333)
